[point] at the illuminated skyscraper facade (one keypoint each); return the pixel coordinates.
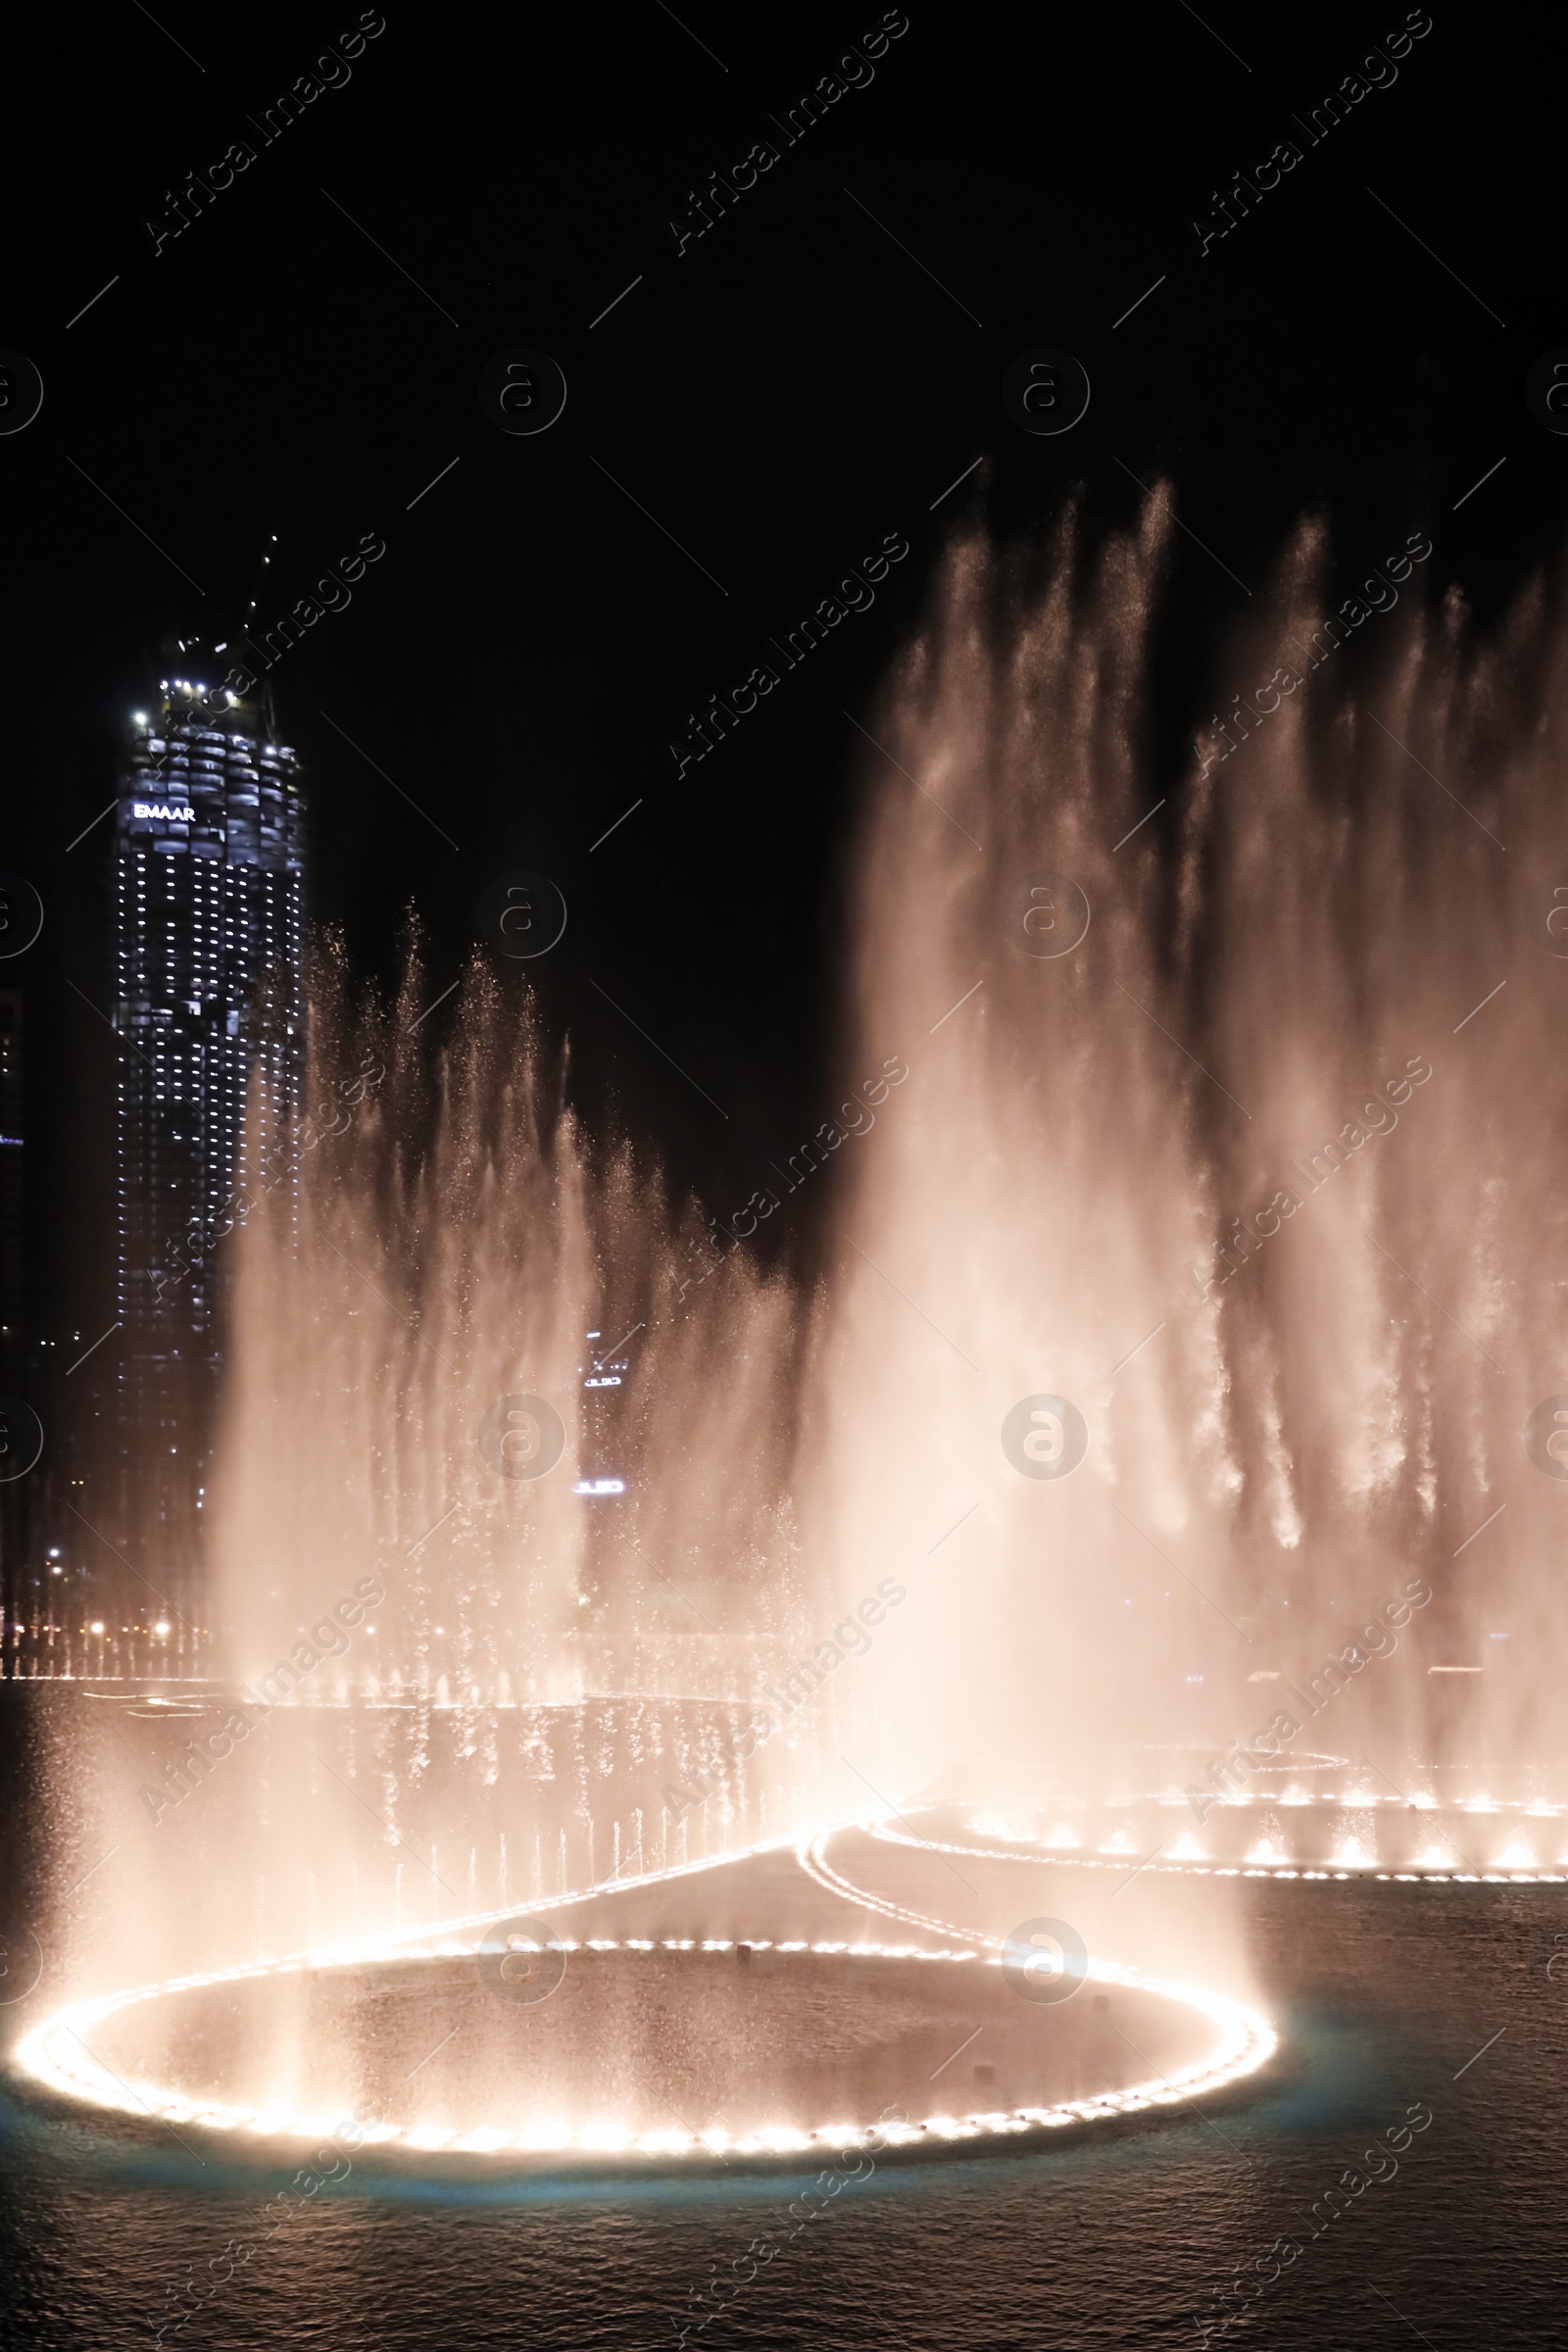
(208, 925)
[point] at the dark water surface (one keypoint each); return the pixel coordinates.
(1384, 1993)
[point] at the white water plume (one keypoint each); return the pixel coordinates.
(1306, 1375)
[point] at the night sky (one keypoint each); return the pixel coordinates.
(772, 401)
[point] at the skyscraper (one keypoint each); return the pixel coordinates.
(209, 916)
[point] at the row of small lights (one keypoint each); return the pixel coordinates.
(139, 717)
(1193, 1863)
(1062, 1840)
(1424, 1801)
(55, 2053)
(98, 1626)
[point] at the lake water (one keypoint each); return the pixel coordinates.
(1383, 1995)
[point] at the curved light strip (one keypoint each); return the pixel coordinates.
(56, 2053)
(1246, 2038)
(1063, 1858)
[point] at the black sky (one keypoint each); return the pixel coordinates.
(777, 397)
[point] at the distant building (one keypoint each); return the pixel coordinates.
(601, 1473)
(209, 936)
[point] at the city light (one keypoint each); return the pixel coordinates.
(197, 928)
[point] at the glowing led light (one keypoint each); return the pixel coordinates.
(995, 1825)
(1264, 1857)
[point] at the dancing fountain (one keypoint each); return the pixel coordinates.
(1151, 1493)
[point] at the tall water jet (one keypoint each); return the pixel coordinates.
(459, 1245)
(1206, 1134)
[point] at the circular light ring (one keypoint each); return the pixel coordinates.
(56, 2055)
